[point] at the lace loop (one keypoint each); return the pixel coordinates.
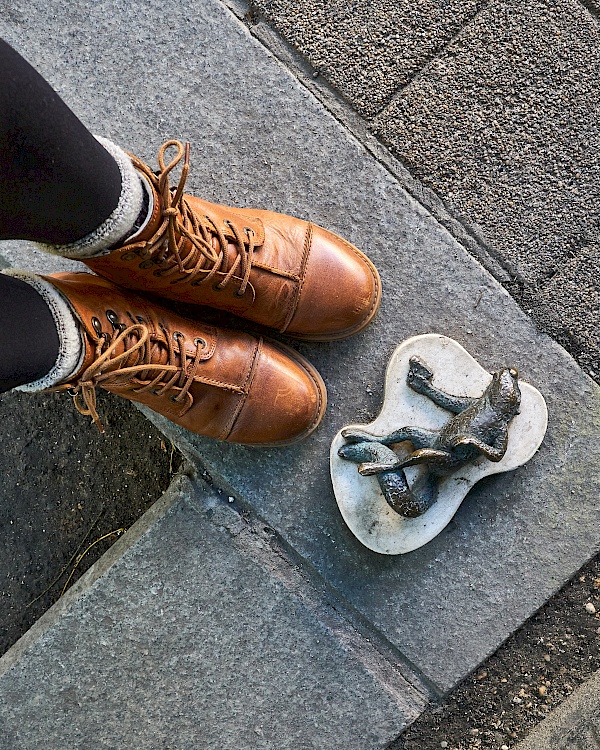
(198, 256)
(134, 366)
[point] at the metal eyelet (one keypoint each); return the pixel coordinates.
(128, 256)
(248, 230)
(177, 335)
(155, 392)
(112, 318)
(217, 288)
(146, 264)
(240, 294)
(174, 399)
(199, 341)
(140, 319)
(97, 326)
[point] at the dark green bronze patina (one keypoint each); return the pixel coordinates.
(479, 427)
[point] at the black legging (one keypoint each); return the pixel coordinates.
(57, 184)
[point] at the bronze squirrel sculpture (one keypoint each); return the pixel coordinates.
(479, 427)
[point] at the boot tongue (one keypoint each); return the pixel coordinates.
(136, 357)
(230, 253)
(216, 216)
(186, 248)
(224, 216)
(160, 355)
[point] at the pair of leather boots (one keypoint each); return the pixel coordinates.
(275, 270)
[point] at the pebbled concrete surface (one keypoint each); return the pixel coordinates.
(504, 125)
(494, 106)
(192, 638)
(367, 50)
(575, 725)
(543, 519)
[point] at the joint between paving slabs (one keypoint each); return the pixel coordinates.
(463, 231)
(593, 7)
(433, 59)
(133, 534)
(255, 539)
(342, 110)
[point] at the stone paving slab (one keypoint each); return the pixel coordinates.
(368, 50)
(261, 139)
(575, 725)
(505, 126)
(515, 540)
(192, 639)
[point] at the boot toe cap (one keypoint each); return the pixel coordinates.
(286, 400)
(341, 290)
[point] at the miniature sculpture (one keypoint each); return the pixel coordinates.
(479, 427)
(445, 423)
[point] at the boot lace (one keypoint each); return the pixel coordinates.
(168, 246)
(136, 368)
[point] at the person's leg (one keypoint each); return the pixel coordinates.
(29, 340)
(58, 183)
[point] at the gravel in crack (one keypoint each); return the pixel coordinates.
(532, 673)
(66, 487)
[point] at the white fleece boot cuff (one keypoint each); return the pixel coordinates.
(71, 349)
(122, 219)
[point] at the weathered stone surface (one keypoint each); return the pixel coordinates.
(575, 725)
(192, 638)
(261, 139)
(513, 542)
(505, 126)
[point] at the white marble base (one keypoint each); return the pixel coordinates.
(359, 498)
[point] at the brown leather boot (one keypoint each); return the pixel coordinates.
(270, 268)
(223, 384)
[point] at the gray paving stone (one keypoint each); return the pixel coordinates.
(367, 50)
(516, 538)
(505, 126)
(575, 725)
(498, 114)
(190, 640)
